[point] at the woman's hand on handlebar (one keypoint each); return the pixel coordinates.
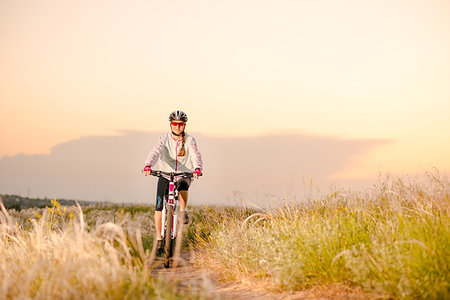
(147, 170)
(197, 173)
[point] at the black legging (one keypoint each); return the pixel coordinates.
(163, 189)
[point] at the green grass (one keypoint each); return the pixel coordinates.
(53, 253)
(392, 241)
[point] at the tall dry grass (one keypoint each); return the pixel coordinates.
(54, 256)
(393, 240)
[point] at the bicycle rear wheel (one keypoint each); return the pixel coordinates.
(168, 245)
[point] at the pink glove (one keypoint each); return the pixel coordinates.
(198, 172)
(147, 170)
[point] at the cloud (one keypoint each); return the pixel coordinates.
(108, 168)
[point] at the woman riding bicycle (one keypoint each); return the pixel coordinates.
(175, 151)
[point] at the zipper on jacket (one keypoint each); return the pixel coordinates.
(176, 157)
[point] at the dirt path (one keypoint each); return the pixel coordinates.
(190, 277)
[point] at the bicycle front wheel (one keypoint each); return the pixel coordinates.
(168, 236)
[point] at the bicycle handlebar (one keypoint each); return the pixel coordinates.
(169, 174)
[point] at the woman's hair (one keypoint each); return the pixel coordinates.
(182, 151)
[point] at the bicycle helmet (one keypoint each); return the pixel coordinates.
(178, 115)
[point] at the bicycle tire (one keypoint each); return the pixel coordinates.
(168, 236)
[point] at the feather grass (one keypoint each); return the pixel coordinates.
(393, 241)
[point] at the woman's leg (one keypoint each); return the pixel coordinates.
(183, 187)
(183, 197)
(162, 190)
(158, 226)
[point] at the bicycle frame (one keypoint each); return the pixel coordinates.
(169, 218)
(172, 200)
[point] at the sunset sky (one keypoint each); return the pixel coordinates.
(351, 70)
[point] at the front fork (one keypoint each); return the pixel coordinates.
(171, 199)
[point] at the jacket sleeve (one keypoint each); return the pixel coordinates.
(198, 163)
(154, 154)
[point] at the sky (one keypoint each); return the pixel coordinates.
(377, 72)
(107, 168)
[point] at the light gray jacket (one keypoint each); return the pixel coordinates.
(164, 156)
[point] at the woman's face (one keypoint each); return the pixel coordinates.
(177, 126)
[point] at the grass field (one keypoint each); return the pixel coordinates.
(392, 241)
(63, 253)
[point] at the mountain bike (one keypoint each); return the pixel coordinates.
(169, 228)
